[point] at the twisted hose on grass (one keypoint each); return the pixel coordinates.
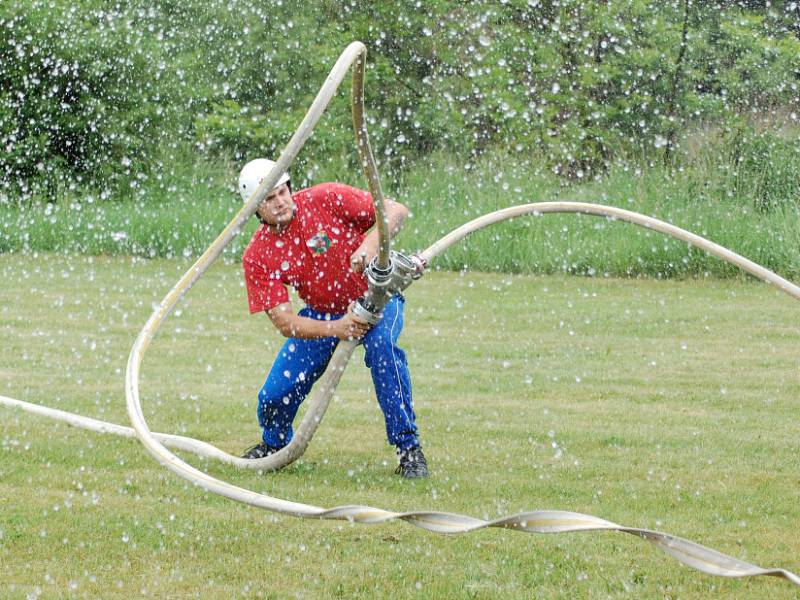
(689, 553)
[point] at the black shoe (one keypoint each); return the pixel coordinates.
(260, 451)
(412, 464)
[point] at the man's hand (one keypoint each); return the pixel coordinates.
(358, 261)
(349, 327)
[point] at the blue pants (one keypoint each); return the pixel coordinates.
(301, 362)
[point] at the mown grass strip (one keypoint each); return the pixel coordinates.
(659, 404)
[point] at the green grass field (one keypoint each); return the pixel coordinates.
(669, 405)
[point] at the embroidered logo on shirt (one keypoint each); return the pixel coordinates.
(319, 243)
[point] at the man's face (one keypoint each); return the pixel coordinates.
(277, 209)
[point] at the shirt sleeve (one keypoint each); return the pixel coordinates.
(265, 289)
(349, 204)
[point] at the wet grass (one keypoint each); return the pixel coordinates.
(181, 216)
(700, 200)
(665, 405)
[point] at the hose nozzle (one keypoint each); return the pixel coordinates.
(385, 283)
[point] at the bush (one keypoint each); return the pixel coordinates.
(766, 167)
(580, 84)
(93, 96)
(69, 114)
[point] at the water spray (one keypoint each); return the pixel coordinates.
(388, 274)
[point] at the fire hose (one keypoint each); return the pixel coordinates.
(389, 273)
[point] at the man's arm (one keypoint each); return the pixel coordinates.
(395, 214)
(349, 327)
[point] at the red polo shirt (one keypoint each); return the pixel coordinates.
(313, 253)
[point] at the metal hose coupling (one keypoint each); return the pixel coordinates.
(386, 282)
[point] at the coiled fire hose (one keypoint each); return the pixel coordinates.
(388, 274)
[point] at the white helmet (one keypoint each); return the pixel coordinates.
(253, 173)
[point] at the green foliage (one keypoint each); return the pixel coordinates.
(181, 214)
(74, 109)
(767, 168)
(94, 96)
(750, 162)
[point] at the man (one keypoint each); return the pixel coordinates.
(317, 241)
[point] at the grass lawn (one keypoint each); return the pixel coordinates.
(669, 405)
